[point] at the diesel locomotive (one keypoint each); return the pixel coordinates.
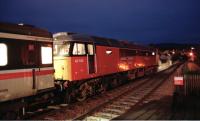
(87, 65)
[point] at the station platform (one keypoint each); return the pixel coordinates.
(158, 106)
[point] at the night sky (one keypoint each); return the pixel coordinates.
(142, 21)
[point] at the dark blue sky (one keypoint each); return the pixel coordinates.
(143, 21)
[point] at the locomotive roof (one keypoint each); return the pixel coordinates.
(99, 41)
(24, 30)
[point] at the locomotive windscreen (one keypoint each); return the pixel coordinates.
(61, 49)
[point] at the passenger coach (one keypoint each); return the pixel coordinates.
(26, 66)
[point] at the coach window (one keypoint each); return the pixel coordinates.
(28, 54)
(3, 53)
(46, 53)
(79, 49)
(90, 49)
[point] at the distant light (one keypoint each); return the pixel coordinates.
(192, 48)
(173, 52)
(153, 53)
(21, 24)
(191, 53)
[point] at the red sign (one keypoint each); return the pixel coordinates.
(178, 81)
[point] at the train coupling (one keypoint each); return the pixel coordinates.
(61, 84)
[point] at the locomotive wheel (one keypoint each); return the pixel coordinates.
(102, 88)
(67, 97)
(115, 83)
(83, 92)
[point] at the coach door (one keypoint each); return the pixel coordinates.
(91, 58)
(29, 58)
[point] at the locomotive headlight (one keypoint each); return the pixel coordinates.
(153, 53)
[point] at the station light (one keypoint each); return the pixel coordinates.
(21, 24)
(153, 53)
(191, 54)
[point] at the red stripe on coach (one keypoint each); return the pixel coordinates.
(15, 75)
(24, 74)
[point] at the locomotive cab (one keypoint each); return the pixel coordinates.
(73, 57)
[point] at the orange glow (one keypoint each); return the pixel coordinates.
(123, 66)
(139, 65)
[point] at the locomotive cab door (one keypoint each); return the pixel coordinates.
(91, 58)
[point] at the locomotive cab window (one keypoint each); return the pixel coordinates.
(79, 49)
(90, 48)
(61, 49)
(46, 53)
(3, 53)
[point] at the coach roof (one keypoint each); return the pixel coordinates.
(24, 29)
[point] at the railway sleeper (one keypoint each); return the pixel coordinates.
(114, 110)
(119, 106)
(124, 103)
(105, 115)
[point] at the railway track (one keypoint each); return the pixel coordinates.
(108, 105)
(123, 103)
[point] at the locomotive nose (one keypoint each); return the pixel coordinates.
(62, 68)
